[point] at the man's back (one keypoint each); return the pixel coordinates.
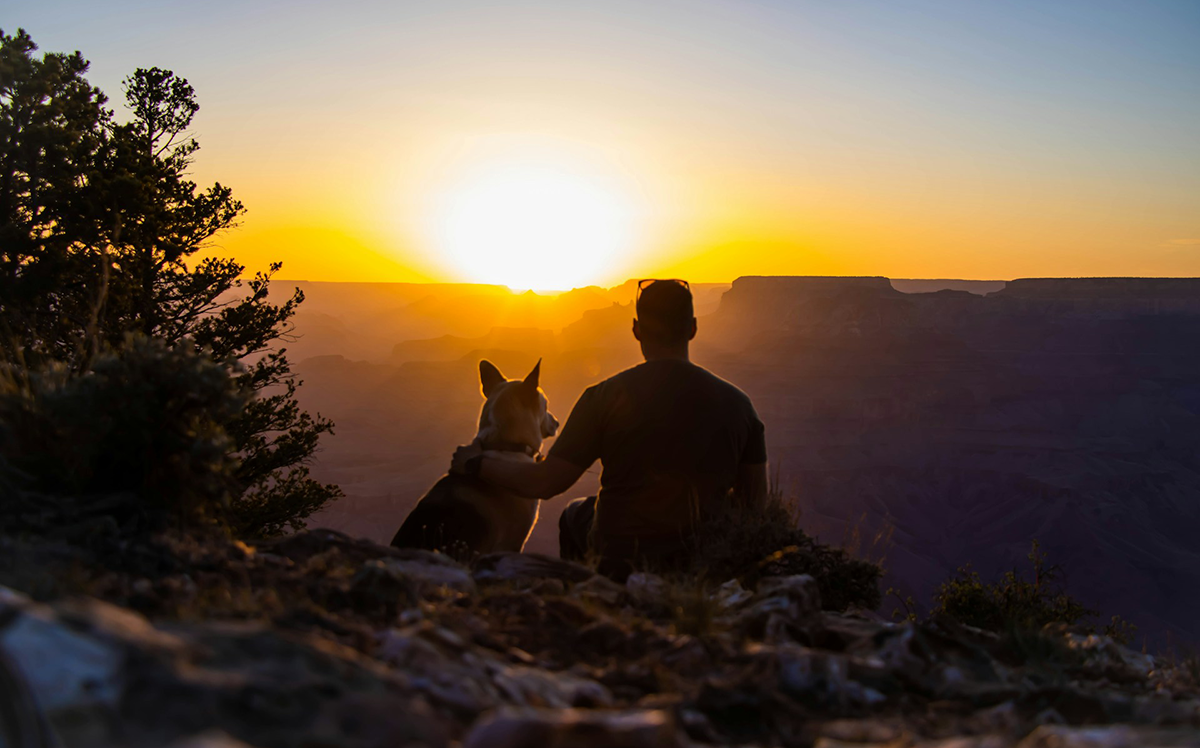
(671, 437)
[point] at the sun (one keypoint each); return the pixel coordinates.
(533, 226)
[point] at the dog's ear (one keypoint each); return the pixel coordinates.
(532, 379)
(490, 377)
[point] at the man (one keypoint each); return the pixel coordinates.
(675, 442)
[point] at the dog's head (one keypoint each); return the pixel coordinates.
(516, 411)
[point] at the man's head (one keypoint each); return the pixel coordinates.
(666, 320)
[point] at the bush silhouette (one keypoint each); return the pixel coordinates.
(751, 543)
(1014, 603)
(144, 422)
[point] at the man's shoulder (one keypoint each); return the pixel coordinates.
(677, 373)
(624, 377)
(724, 385)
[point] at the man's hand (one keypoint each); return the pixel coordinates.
(458, 463)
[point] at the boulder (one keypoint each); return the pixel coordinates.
(97, 675)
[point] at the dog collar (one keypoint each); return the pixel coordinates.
(509, 447)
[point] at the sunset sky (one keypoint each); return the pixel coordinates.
(551, 144)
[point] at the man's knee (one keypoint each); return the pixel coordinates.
(574, 526)
(578, 513)
(564, 517)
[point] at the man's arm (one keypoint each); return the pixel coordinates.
(750, 491)
(532, 480)
(752, 486)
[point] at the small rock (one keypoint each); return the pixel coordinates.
(410, 649)
(819, 678)
(938, 665)
(861, 731)
(598, 589)
(985, 741)
(1111, 736)
(732, 594)
(304, 545)
(603, 637)
(1001, 718)
(1057, 736)
(548, 587)
(209, 739)
(375, 720)
(782, 609)
(688, 655)
(646, 589)
(1104, 657)
(431, 573)
(1076, 705)
(1049, 717)
(530, 728)
(801, 588)
(473, 680)
(383, 587)
(512, 567)
(532, 686)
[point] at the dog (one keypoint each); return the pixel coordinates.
(465, 515)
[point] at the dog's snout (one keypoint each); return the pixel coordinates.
(549, 426)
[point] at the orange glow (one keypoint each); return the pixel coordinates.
(471, 216)
(531, 225)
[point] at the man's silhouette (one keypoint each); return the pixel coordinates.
(675, 441)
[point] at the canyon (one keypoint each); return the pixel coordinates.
(931, 424)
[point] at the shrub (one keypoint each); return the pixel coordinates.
(1014, 603)
(144, 421)
(751, 544)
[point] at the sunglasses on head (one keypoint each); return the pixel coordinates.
(647, 281)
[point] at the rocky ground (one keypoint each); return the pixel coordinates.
(320, 640)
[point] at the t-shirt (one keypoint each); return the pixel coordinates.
(671, 436)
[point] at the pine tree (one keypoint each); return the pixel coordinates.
(101, 235)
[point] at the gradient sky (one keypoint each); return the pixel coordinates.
(907, 139)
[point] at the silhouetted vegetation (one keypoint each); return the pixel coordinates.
(768, 541)
(164, 449)
(100, 228)
(1016, 604)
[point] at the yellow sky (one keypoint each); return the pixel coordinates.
(732, 213)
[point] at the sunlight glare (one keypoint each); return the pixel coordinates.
(533, 226)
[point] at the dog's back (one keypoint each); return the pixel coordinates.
(464, 515)
(440, 521)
